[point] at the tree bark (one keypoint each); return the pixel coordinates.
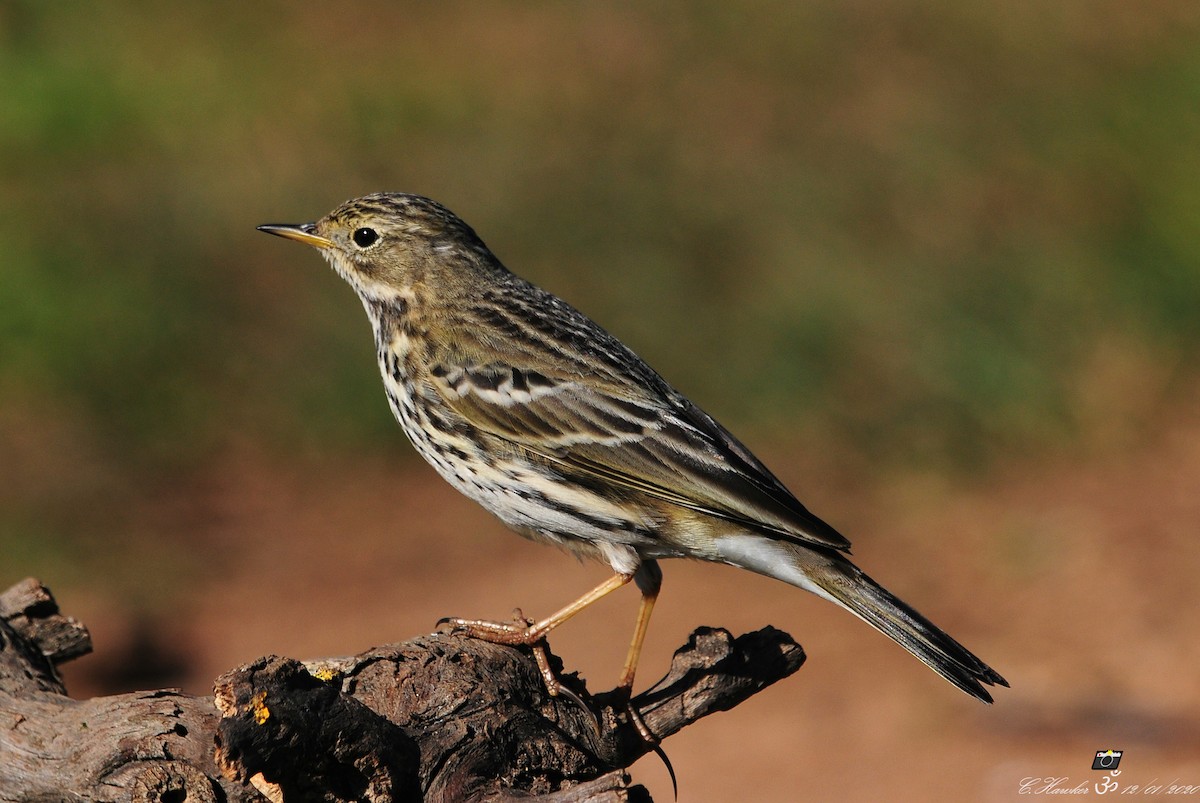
(442, 717)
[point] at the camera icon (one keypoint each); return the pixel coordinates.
(1107, 759)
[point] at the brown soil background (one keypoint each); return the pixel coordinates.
(1076, 582)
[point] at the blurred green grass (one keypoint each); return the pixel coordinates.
(925, 233)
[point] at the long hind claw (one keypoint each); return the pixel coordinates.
(623, 695)
(555, 687)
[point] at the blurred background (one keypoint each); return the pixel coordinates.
(937, 263)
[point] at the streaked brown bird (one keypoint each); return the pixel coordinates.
(525, 405)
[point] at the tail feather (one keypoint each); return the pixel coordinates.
(855, 591)
(830, 575)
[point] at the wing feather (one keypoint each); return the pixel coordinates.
(655, 443)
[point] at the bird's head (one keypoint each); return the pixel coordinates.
(387, 243)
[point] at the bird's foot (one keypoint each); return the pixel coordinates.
(622, 697)
(521, 632)
(555, 687)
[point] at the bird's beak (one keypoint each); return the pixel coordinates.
(300, 232)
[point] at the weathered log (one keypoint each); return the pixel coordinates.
(441, 717)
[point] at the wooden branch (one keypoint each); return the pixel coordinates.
(441, 717)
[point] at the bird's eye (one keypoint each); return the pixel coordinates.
(364, 238)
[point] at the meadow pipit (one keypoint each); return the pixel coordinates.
(528, 407)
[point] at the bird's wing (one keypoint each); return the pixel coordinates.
(645, 439)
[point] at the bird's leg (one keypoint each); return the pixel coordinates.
(649, 581)
(525, 634)
(542, 657)
(533, 634)
(521, 632)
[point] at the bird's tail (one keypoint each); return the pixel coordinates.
(830, 575)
